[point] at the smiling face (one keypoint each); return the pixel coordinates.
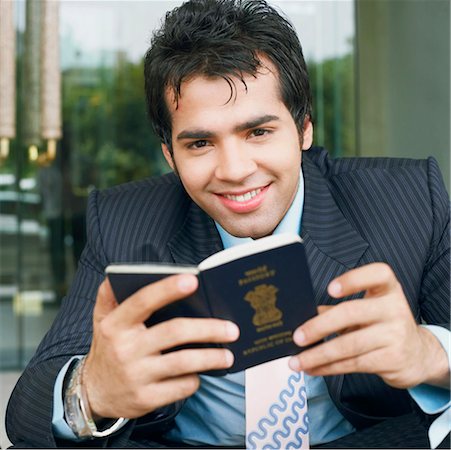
(238, 158)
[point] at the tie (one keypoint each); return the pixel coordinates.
(276, 407)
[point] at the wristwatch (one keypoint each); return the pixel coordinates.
(77, 411)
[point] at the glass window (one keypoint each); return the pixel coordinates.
(327, 30)
(106, 138)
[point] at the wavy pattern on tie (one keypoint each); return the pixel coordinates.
(285, 417)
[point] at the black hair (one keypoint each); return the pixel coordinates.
(223, 38)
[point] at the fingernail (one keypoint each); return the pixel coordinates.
(294, 364)
(186, 283)
(232, 330)
(299, 337)
(229, 358)
(335, 289)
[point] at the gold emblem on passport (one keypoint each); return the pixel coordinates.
(263, 299)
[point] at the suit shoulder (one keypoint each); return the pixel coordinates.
(168, 181)
(378, 180)
(332, 167)
(151, 196)
(134, 221)
(154, 187)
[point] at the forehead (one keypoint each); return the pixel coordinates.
(266, 72)
(212, 99)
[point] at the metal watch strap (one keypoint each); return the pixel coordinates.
(77, 411)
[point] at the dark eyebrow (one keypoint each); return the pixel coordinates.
(256, 122)
(195, 134)
(205, 134)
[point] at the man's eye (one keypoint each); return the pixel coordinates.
(260, 132)
(198, 144)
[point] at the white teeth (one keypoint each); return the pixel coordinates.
(244, 197)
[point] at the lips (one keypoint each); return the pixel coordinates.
(245, 201)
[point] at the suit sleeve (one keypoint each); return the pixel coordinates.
(435, 286)
(30, 409)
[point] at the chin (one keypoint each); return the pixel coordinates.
(252, 232)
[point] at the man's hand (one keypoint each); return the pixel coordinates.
(126, 374)
(377, 334)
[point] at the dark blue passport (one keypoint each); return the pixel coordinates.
(263, 286)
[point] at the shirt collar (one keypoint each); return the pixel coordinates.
(290, 223)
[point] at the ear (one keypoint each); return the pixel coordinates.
(168, 156)
(307, 134)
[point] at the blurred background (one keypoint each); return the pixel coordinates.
(72, 118)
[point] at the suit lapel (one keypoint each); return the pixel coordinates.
(333, 246)
(324, 222)
(197, 239)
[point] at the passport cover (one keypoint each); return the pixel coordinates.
(268, 294)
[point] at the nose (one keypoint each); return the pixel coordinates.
(235, 164)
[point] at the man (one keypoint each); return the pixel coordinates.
(228, 93)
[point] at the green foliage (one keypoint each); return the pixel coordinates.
(333, 90)
(106, 129)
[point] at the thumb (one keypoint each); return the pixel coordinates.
(105, 302)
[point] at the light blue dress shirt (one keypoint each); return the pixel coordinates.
(222, 398)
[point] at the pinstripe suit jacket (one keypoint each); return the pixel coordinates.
(356, 211)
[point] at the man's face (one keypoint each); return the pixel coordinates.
(238, 158)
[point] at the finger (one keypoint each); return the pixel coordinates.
(353, 313)
(180, 331)
(152, 396)
(323, 308)
(144, 302)
(376, 278)
(344, 347)
(372, 362)
(105, 302)
(169, 391)
(189, 361)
